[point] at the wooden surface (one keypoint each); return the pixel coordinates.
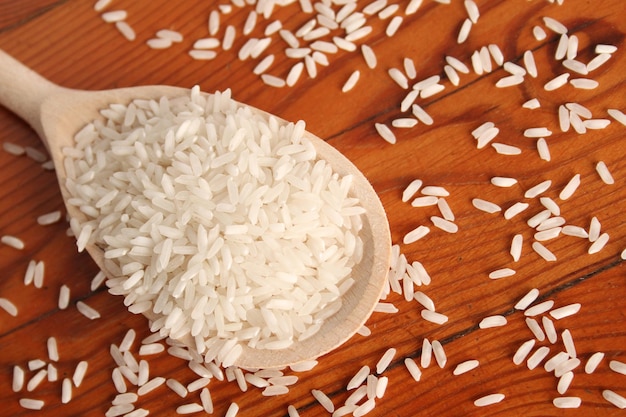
(68, 42)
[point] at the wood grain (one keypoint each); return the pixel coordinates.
(67, 42)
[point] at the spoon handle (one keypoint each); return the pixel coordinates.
(23, 91)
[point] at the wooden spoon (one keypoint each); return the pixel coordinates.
(57, 113)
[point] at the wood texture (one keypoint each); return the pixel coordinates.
(68, 42)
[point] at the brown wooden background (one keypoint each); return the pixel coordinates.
(68, 42)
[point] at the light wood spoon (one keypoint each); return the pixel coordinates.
(57, 113)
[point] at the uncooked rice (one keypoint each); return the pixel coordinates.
(537, 357)
(617, 366)
(8, 306)
(501, 273)
(12, 241)
(538, 309)
(593, 362)
(87, 311)
(614, 398)
(439, 353)
(536, 330)
(544, 252)
(31, 404)
(489, 400)
(550, 330)
(504, 182)
(492, 321)
(522, 352)
(427, 352)
(567, 402)
(433, 316)
(79, 373)
(486, 206)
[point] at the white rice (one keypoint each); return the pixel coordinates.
(532, 104)
(177, 387)
(457, 64)
(66, 391)
(398, 77)
(516, 247)
(486, 137)
(537, 357)
(440, 354)
(190, 408)
(159, 43)
(427, 353)
(385, 133)
(421, 114)
(617, 366)
(435, 190)
(35, 364)
(538, 218)
(452, 75)
(445, 210)
(443, 224)
(565, 311)
(550, 205)
(351, 81)
(12, 241)
(514, 69)
(404, 123)
(31, 404)
(564, 118)
(294, 74)
(324, 400)
(614, 398)
(557, 82)
(100, 5)
(593, 362)
(504, 149)
(114, 16)
(570, 187)
(53, 350)
(538, 189)
(393, 26)
(413, 6)
(292, 411)
(567, 402)
(465, 367)
(264, 65)
(510, 81)
(424, 300)
(536, 330)
(64, 297)
(489, 400)
(273, 81)
(151, 385)
(515, 209)
(501, 273)
(617, 115)
(576, 66)
(568, 342)
(543, 150)
(486, 206)
(8, 306)
(434, 317)
(464, 31)
(415, 235)
(539, 308)
(572, 47)
(561, 49)
(369, 56)
(537, 132)
(555, 361)
(358, 379)
(477, 65)
(547, 234)
(13, 148)
(79, 373)
(385, 308)
(529, 63)
(232, 411)
(364, 408)
(413, 369)
(554, 25)
(596, 124)
(36, 379)
(584, 83)
(87, 311)
(539, 33)
(550, 330)
(492, 321)
(504, 182)
(151, 349)
(126, 30)
(522, 352)
(385, 360)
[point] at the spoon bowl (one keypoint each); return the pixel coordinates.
(57, 114)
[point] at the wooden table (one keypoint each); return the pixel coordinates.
(69, 43)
